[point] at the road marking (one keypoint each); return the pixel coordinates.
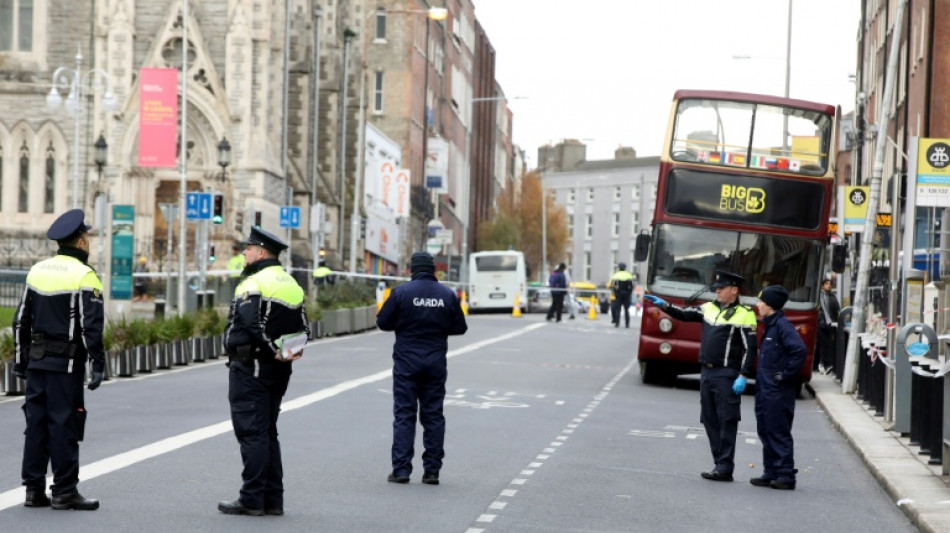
(486, 518)
(108, 465)
(497, 505)
(509, 492)
(518, 481)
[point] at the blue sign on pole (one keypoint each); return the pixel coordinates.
(198, 206)
(289, 217)
(123, 218)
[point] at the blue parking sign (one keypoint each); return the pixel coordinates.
(289, 217)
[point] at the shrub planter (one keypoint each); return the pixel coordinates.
(126, 363)
(145, 358)
(359, 319)
(12, 385)
(328, 320)
(197, 349)
(181, 353)
(344, 321)
(163, 356)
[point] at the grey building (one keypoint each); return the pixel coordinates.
(608, 203)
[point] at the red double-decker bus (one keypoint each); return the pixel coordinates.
(745, 185)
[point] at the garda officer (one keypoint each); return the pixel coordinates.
(621, 284)
(58, 326)
(423, 313)
(726, 352)
(322, 275)
(235, 266)
(780, 360)
(267, 305)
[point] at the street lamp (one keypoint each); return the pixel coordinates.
(77, 80)
(433, 13)
(224, 158)
(101, 147)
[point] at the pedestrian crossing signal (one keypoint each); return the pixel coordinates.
(217, 214)
(211, 255)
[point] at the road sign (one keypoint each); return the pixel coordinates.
(445, 235)
(198, 205)
(289, 216)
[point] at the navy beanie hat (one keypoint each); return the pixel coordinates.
(774, 296)
(422, 262)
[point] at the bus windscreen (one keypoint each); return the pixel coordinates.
(497, 263)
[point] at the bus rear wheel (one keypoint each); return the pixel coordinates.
(653, 373)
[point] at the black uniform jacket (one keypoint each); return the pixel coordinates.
(423, 313)
(728, 337)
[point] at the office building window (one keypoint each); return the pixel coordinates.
(616, 225)
(586, 265)
(613, 261)
(590, 194)
(634, 223)
(570, 217)
(378, 92)
(590, 226)
(16, 25)
(49, 199)
(635, 193)
(616, 193)
(380, 25)
(24, 179)
(572, 195)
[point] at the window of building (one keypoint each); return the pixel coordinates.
(653, 191)
(572, 195)
(634, 223)
(378, 92)
(587, 265)
(50, 185)
(24, 179)
(616, 193)
(16, 25)
(380, 25)
(570, 217)
(590, 194)
(616, 225)
(613, 260)
(590, 226)
(635, 193)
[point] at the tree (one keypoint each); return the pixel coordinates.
(516, 223)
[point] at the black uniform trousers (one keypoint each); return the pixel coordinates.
(557, 304)
(720, 411)
(423, 389)
(826, 347)
(621, 301)
(55, 420)
(255, 404)
(774, 412)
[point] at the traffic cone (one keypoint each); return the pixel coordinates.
(464, 303)
(381, 301)
(516, 310)
(592, 314)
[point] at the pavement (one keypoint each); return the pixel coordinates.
(919, 489)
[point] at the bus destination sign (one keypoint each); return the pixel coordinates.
(744, 199)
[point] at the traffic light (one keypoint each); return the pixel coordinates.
(217, 214)
(211, 255)
(257, 219)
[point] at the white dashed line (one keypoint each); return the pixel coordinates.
(497, 506)
(486, 518)
(509, 492)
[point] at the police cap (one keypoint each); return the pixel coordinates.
(266, 240)
(68, 226)
(726, 279)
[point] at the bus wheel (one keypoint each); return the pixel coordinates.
(652, 373)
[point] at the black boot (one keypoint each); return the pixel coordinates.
(36, 498)
(430, 478)
(236, 507)
(74, 500)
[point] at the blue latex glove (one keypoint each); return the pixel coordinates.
(738, 385)
(659, 302)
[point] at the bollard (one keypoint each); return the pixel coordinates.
(841, 341)
(926, 399)
(879, 384)
(864, 363)
(936, 422)
(915, 409)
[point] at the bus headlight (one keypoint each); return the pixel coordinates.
(666, 325)
(665, 348)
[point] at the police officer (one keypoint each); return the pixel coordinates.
(58, 326)
(322, 275)
(621, 284)
(267, 305)
(780, 360)
(726, 353)
(423, 313)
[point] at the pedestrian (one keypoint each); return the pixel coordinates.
(268, 307)
(57, 328)
(621, 285)
(140, 282)
(235, 266)
(827, 327)
(423, 313)
(781, 358)
(727, 350)
(571, 296)
(558, 285)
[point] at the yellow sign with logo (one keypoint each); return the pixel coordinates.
(855, 207)
(739, 198)
(933, 172)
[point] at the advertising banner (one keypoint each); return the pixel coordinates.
(933, 173)
(382, 234)
(158, 117)
(395, 188)
(437, 165)
(123, 218)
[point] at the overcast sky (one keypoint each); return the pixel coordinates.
(604, 71)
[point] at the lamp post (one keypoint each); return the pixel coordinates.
(224, 158)
(101, 157)
(433, 13)
(77, 80)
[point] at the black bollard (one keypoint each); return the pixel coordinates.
(936, 422)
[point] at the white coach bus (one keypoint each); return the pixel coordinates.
(495, 278)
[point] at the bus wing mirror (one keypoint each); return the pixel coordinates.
(642, 249)
(839, 255)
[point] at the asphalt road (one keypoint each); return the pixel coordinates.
(548, 430)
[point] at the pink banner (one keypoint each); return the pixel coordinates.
(158, 117)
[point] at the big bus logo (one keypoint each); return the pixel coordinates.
(739, 198)
(938, 155)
